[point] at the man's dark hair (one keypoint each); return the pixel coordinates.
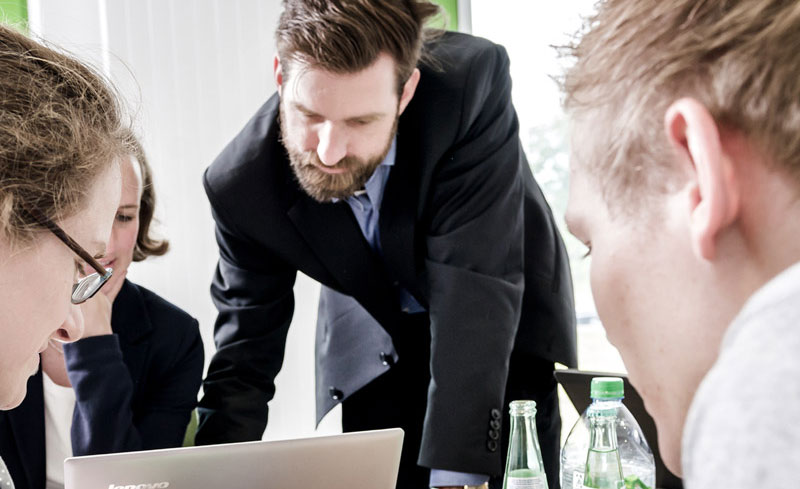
(346, 36)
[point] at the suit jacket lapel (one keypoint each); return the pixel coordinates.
(27, 426)
(399, 210)
(332, 232)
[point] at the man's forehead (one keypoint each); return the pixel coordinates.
(317, 89)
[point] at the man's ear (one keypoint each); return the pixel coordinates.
(714, 193)
(277, 70)
(408, 90)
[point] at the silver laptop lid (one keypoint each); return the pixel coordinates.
(346, 461)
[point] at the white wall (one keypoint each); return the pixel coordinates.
(193, 73)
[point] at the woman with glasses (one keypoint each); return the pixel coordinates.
(61, 139)
(131, 382)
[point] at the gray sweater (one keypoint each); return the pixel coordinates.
(5, 477)
(742, 429)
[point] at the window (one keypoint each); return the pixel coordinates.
(529, 30)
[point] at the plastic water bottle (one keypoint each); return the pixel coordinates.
(635, 456)
(524, 467)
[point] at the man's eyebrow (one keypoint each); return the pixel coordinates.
(372, 116)
(129, 206)
(302, 108)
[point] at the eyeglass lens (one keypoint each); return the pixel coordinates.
(88, 286)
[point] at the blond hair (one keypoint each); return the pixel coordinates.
(741, 59)
(60, 128)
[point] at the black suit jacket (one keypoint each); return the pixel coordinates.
(137, 402)
(463, 227)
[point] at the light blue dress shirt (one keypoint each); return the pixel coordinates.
(366, 206)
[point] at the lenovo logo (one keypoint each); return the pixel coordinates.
(155, 485)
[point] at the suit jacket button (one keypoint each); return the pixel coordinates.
(495, 424)
(496, 414)
(491, 445)
(335, 394)
(386, 359)
(494, 434)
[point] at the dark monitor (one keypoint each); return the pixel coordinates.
(577, 384)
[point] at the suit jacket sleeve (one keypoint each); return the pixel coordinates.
(474, 272)
(253, 294)
(105, 421)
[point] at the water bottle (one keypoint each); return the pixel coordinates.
(636, 458)
(524, 467)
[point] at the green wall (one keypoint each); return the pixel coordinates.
(14, 12)
(451, 7)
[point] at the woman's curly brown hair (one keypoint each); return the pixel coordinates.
(146, 245)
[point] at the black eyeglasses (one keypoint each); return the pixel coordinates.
(88, 286)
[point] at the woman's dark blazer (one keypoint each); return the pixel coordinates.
(134, 389)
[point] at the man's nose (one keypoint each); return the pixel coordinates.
(332, 146)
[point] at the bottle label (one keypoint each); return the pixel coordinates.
(577, 480)
(620, 485)
(526, 483)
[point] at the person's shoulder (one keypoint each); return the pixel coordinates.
(451, 54)
(460, 46)
(244, 159)
(750, 394)
(252, 172)
(161, 311)
(460, 72)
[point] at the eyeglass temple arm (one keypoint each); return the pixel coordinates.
(60, 234)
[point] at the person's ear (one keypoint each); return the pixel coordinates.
(713, 193)
(277, 70)
(408, 90)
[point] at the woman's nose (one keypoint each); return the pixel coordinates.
(72, 328)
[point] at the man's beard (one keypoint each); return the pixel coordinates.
(324, 187)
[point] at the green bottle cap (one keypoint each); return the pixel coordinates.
(607, 388)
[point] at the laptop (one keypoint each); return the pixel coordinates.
(577, 384)
(351, 460)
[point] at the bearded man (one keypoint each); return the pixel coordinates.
(388, 167)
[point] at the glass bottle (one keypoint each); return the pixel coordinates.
(603, 467)
(524, 467)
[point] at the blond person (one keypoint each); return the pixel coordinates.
(131, 382)
(685, 185)
(60, 144)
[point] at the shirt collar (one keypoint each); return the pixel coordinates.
(377, 182)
